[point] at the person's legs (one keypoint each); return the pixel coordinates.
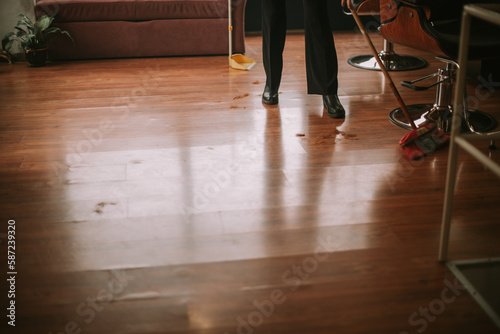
(321, 56)
(273, 43)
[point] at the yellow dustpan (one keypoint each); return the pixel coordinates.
(237, 61)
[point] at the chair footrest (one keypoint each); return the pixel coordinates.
(409, 84)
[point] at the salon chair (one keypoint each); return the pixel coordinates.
(435, 26)
(392, 61)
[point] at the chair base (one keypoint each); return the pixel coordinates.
(395, 62)
(422, 113)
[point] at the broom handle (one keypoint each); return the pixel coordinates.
(230, 27)
(383, 69)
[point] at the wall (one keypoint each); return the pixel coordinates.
(9, 15)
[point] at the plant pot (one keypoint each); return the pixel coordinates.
(36, 58)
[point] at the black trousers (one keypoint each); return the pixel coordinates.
(321, 56)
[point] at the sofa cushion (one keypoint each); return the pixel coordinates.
(181, 9)
(131, 10)
(87, 10)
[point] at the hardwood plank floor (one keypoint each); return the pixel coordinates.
(159, 195)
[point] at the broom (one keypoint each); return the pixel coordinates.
(420, 141)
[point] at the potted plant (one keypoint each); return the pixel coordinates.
(33, 38)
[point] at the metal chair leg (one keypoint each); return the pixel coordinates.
(392, 61)
(441, 110)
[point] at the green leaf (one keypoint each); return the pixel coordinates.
(52, 30)
(19, 29)
(6, 40)
(8, 45)
(25, 21)
(21, 33)
(43, 23)
(58, 30)
(8, 35)
(64, 32)
(29, 42)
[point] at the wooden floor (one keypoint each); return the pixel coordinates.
(161, 196)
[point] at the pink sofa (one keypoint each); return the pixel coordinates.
(143, 28)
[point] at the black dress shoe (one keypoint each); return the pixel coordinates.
(270, 95)
(333, 106)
